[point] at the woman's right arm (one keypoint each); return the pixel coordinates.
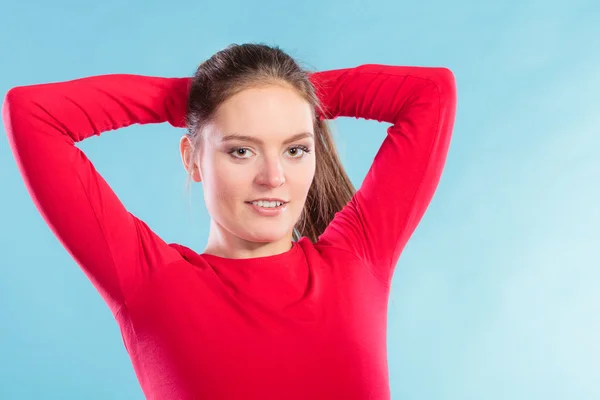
(43, 123)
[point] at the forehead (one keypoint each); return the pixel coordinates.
(264, 111)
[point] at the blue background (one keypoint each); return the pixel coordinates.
(497, 294)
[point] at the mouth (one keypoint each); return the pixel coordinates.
(268, 202)
(268, 207)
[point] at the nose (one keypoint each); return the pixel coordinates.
(271, 173)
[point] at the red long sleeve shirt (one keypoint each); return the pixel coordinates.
(306, 324)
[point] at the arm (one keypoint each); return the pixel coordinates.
(43, 123)
(420, 102)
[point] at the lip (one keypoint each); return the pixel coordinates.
(268, 212)
(268, 199)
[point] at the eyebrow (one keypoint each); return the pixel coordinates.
(252, 139)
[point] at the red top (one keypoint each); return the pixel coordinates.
(306, 324)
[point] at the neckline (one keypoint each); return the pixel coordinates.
(275, 259)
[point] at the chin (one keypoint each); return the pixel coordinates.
(263, 234)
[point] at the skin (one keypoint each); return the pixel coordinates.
(236, 171)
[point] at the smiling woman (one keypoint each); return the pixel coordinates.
(257, 104)
(272, 161)
(257, 315)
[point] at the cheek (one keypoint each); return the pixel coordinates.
(301, 178)
(231, 182)
(225, 183)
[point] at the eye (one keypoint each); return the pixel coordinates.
(240, 152)
(298, 151)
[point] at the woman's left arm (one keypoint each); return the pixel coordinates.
(420, 102)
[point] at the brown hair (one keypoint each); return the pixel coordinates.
(239, 67)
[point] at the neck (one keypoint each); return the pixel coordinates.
(223, 243)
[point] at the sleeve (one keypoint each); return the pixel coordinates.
(43, 123)
(420, 103)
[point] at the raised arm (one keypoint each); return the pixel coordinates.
(420, 102)
(43, 123)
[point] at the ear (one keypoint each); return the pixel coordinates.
(187, 151)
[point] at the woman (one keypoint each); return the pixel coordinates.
(289, 298)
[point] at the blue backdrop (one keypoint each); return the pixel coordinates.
(495, 297)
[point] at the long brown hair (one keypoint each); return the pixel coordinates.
(239, 67)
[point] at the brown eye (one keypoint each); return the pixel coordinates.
(240, 152)
(298, 151)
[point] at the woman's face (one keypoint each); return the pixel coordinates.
(258, 150)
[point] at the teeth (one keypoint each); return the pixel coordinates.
(267, 204)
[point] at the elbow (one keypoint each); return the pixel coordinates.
(445, 88)
(9, 105)
(14, 96)
(13, 106)
(12, 99)
(445, 81)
